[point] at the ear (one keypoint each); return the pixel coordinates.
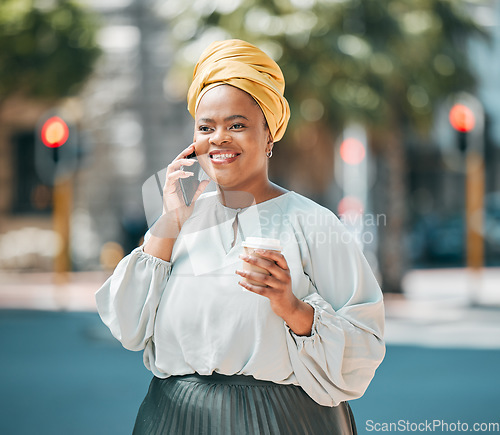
(270, 139)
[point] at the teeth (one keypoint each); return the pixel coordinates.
(222, 156)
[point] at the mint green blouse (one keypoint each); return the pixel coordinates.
(191, 315)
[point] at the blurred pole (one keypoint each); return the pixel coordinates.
(474, 212)
(63, 199)
(474, 206)
(56, 162)
(474, 200)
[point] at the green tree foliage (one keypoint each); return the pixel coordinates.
(361, 59)
(47, 49)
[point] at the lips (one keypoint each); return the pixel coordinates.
(223, 156)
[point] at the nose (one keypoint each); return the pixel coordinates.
(220, 136)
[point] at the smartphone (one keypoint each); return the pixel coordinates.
(190, 184)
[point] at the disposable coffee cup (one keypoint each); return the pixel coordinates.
(250, 245)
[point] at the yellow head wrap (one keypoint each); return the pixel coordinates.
(244, 66)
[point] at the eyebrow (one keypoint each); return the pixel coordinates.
(229, 118)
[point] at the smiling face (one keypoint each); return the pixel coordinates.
(231, 140)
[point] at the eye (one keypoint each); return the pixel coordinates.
(204, 128)
(237, 126)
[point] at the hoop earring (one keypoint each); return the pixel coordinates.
(269, 154)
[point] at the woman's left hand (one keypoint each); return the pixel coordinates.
(277, 287)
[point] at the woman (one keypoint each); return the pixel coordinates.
(282, 355)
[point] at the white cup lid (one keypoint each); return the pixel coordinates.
(262, 243)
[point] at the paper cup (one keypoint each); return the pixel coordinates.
(249, 246)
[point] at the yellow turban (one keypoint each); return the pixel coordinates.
(244, 66)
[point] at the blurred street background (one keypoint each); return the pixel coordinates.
(395, 127)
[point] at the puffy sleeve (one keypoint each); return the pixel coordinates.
(128, 300)
(338, 360)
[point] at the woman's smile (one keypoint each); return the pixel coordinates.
(223, 157)
(231, 139)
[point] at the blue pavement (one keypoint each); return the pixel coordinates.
(63, 373)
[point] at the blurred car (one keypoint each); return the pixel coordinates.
(492, 227)
(440, 241)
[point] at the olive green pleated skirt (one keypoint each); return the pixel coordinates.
(236, 405)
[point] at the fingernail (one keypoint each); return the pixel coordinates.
(243, 257)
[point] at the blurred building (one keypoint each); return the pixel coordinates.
(128, 131)
(135, 131)
(25, 202)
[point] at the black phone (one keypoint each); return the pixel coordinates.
(190, 184)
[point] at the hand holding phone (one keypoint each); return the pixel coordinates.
(190, 185)
(178, 193)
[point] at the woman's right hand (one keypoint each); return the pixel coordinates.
(174, 207)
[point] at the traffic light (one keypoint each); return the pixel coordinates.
(56, 151)
(350, 205)
(351, 171)
(354, 173)
(352, 151)
(55, 132)
(466, 116)
(56, 159)
(463, 120)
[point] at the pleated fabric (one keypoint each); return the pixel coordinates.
(236, 405)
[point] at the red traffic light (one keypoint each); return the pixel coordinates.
(350, 206)
(55, 132)
(462, 118)
(352, 151)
